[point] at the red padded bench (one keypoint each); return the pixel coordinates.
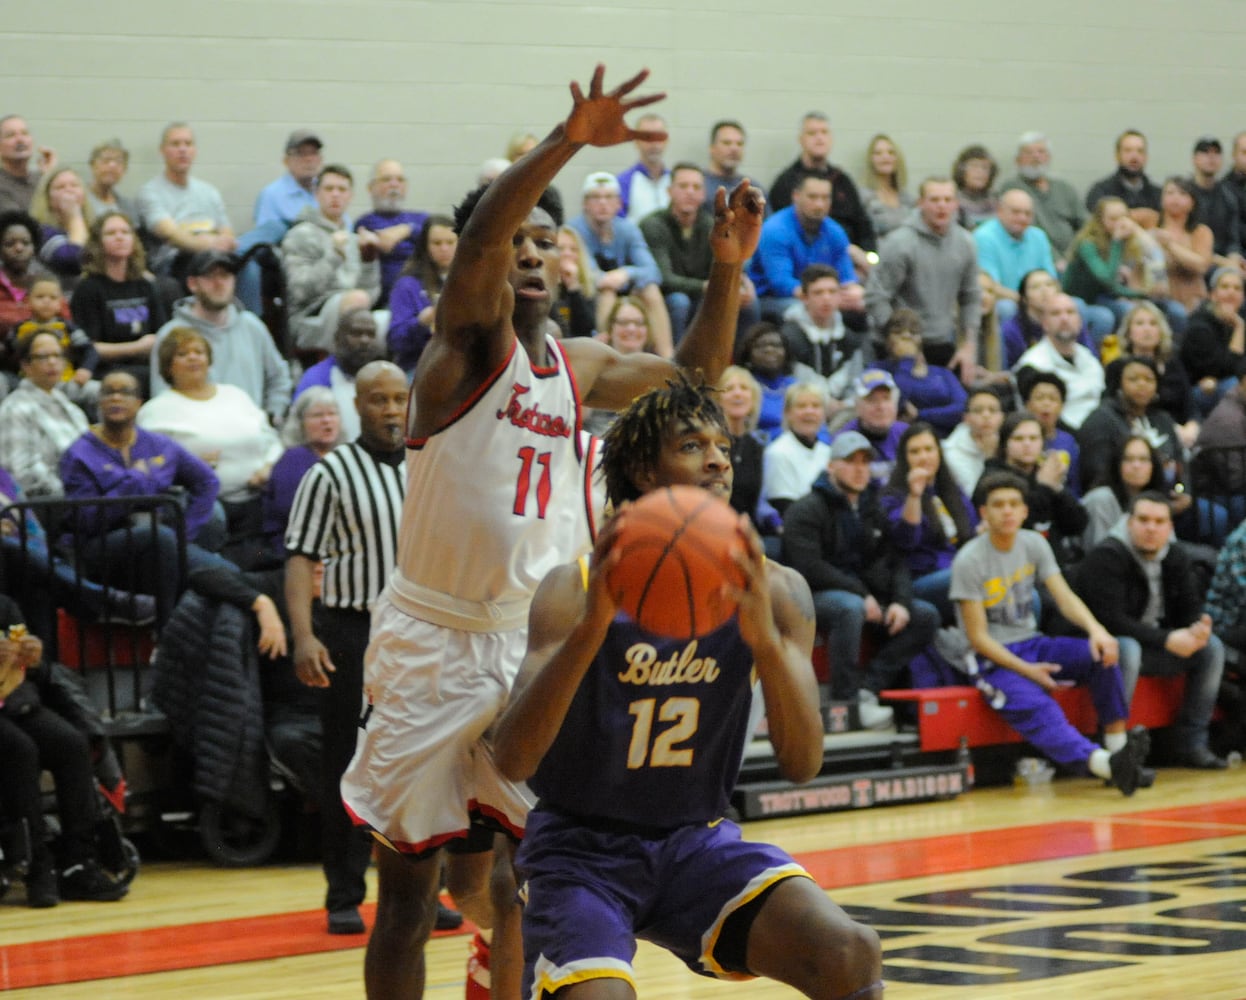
(946, 714)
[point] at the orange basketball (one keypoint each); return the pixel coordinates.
(676, 546)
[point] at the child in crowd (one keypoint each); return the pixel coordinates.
(48, 312)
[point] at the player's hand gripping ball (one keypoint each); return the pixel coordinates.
(676, 547)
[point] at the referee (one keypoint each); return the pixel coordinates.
(346, 515)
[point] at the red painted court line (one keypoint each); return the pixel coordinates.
(163, 949)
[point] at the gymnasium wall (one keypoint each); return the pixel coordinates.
(443, 85)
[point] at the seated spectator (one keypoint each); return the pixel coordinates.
(975, 438)
(281, 202)
(117, 458)
(1043, 395)
(413, 300)
(38, 421)
(1218, 205)
(396, 227)
(19, 241)
(575, 309)
(837, 537)
(1060, 353)
(35, 738)
(877, 419)
(109, 162)
(312, 429)
(1140, 586)
(1051, 510)
(1021, 331)
(994, 583)
(992, 366)
(644, 187)
(1223, 430)
(243, 353)
(1144, 333)
(1214, 347)
(726, 153)
(115, 303)
(883, 193)
(628, 331)
(21, 164)
(930, 516)
(795, 458)
(355, 344)
(625, 264)
(62, 208)
(183, 213)
(1225, 601)
(1111, 260)
(1057, 206)
(45, 581)
(1134, 467)
(47, 315)
(1131, 410)
(797, 236)
(679, 239)
(816, 337)
(329, 268)
(1130, 182)
(928, 392)
(764, 353)
(974, 174)
(1187, 246)
(218, 423)
(740, 399)
(930, 264)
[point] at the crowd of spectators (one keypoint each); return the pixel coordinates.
(896, 344)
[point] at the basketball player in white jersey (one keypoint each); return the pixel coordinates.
(497, 496)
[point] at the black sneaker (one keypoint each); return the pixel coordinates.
(1127, 763)
(447, 919)
(347, 921)
(41, 889)
(89, 883)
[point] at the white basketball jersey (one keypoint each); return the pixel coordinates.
(500, 493)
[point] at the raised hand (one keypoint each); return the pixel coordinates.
(597, 120)
(737, 223)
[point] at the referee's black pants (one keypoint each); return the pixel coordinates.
(346, 848)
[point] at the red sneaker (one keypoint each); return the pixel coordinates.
(477, 969)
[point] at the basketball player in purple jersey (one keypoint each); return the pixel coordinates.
(633, 765)
(497, 496)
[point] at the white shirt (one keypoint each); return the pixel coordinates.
(1082, 375)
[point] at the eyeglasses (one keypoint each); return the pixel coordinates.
(117, 391)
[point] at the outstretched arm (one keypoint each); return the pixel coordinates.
(476, 302)
(610, 381)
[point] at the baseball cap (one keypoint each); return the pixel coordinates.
(1206, 142)
(871, 379)
(848, 444)
(203, 262)
(601, 180)
(301, 136)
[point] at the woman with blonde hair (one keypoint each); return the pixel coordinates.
(883, 190)
(61, 207)
(1107, 259)
(575, 310)
(1145, 333)
(739, 395)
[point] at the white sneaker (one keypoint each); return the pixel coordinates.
(871, 713)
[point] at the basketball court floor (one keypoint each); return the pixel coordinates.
(1060, 890)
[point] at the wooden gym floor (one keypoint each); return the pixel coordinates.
(1052, 891)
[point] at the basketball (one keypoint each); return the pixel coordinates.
(676, 548)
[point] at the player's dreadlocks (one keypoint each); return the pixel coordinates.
(634, 441)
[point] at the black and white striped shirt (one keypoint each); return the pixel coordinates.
(346, 514)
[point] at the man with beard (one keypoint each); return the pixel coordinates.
(1058, 209)
(243, 352)
(345, 515)
(355, 344)
(1060, 353)
(1130, 182)
(18, 176)
(396, 228)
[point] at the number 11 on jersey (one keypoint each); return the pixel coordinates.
(528, 457)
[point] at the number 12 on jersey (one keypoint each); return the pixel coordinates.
(528, 457)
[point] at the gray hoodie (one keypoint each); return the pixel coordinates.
(315, 271)
(1153, 570)
(243, 355)
(937, 276)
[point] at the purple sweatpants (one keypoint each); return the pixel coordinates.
(1033, 713)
